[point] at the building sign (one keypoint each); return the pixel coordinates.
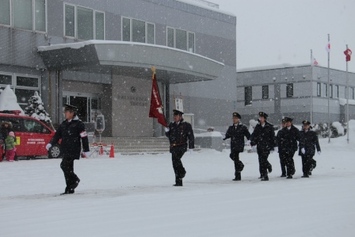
(135, 100)
(179, 105)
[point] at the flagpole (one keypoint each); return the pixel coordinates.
(328, 91)
(347, 99)
(311, 80)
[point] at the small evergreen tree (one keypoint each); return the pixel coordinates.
(35, 109)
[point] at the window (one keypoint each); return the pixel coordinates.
(100, 25)
(289, 90)
(33, 126)
(265, 92)
(25, 87)
(22, 11)
(5, 79)
(352, 93)
(138, 31)
(325, 90)
(27, 81)
(319, 89)
(24, 14)
(83, 23)
(331, 91)
(5, 12)
(248, 95)
(336, 91)
(69, 20)
(180, 39)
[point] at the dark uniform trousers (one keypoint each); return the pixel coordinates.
(238, 164)
(282, 164)
(308, 163)
(67, 165)
(287, 160)
(178, 167)
(264, 164)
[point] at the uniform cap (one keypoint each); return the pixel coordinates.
(177, 112)
(306, 122)
(235, 114)
(288, 119)
(262, 114)
(72, 108)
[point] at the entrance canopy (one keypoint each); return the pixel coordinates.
(173, 65)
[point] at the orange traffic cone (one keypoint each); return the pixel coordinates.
(101, 152)
(112, 151)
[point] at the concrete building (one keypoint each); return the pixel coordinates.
(98, 54)
(300, 92)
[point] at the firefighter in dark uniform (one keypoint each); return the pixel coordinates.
(287, 144)
(180, 136)
(236, 133)
(264, 138)
(72, 132)
(307, 148)
(282, 161)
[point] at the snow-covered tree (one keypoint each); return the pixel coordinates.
(36, 109)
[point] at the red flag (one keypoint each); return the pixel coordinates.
(348, 53)
(156, 106)
(328, 47)
(315, 62)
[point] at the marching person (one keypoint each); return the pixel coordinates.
(282, 161)
(263, 138)
(236, 133)
(178, 133)
(287, 144)
(307, 146)
(72, 132)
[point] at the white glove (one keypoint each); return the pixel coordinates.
(48, 146)
(319, 152)
(166, 129)
(303, 151)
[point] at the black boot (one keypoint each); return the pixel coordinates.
(68, 191)
(238, 176)
(265, 178)
(178, 182)
(289, 177)
(305, 175)
(283, 175)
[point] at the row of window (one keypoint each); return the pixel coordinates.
(86, 24)
(322, 91)
(23, 85)
(248, 93)
(24, 14)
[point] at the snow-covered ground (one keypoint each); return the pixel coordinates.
(133, 196)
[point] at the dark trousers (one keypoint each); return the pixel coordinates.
(238, 165)
(289, 162)
(67, 166)
(308, 164)
(177, 164)
(282, 164)
(264, 164)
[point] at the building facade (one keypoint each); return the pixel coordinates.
(300, 92)
(97, 55)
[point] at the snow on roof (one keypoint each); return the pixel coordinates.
(78, 45)
(206, 5)
(270, 67)
(8, 100)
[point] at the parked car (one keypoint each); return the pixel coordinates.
(32, 136)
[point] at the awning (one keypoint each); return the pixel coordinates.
(174, 65)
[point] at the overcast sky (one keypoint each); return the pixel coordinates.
(272, 32)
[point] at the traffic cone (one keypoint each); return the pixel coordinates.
(101, 152)
(112, 151)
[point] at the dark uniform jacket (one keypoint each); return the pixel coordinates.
(287, 140)
(309, 141)
(263, 137)
(178, 135)
(236, 133)
(71, 133)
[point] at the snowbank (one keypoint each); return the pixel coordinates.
(8, 101)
